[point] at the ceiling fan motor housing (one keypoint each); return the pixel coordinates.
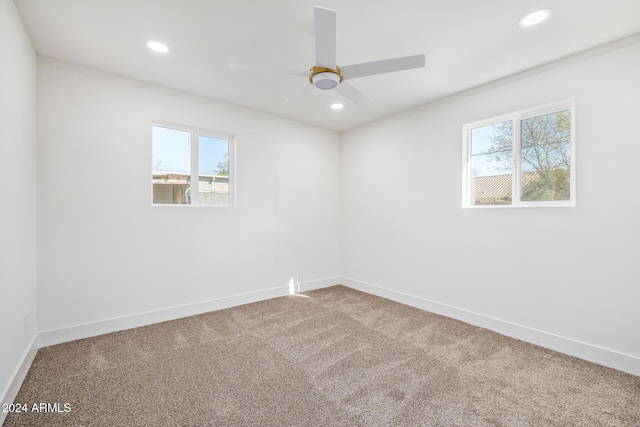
(325, 78)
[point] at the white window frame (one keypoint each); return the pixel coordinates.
(195, 133)
(515, 119)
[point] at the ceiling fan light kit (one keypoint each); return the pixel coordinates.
(325, 78)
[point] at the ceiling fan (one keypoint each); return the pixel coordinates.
(327, 75)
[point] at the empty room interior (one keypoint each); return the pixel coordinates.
(320, 213)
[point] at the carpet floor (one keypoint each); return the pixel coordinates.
(330, 357)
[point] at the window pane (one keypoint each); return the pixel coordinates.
(213, 166)
(171, 166)
(546, 157)
(491, 164)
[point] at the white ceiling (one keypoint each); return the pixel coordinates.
(467, 43)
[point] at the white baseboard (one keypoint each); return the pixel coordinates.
(106, 326)
(11, 391)
(593, 353)
(317, 284)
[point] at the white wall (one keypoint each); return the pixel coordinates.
(106, 253)
(565, 277)
(18, 198)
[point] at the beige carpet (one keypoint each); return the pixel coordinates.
(331, 357)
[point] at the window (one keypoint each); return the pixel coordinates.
(192, 166)
(521, 159)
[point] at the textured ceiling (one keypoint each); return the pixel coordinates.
(467, 43)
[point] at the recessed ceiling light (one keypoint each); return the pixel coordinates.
(535, 17)
(337, 106)
(157, 46)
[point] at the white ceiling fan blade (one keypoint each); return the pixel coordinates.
(307, 88)
(352, 94)
(325, 26)
(380, 67)
(265, 68)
